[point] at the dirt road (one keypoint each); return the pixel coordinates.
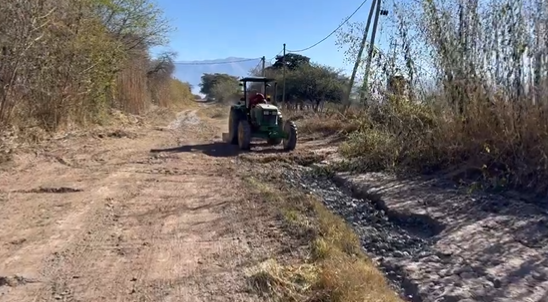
(101, 218)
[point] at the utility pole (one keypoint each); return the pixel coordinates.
(263, 66)
(263, 59)
(360, 53)
(283, 76)
(365, 88)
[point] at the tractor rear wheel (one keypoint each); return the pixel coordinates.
(290, 129)
(244, 135)
(233, 127)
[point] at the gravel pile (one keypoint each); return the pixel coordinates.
(382, 238)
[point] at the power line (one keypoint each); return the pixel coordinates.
(274, 57)
(256, 66)
(215, 63)
(334, 31)
(300, 50)
(226, 62)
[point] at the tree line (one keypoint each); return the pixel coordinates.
(470, 81)
(72, 61)
(306, 83)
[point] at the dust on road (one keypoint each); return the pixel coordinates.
(104, 219)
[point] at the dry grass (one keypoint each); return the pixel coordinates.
(333, 121)
(180, 95)
(283, 282)
(473, 100)
(492, 144)
(215, 111)
(336, 268)
(74, 65)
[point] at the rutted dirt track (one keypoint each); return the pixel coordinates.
(105, 219)
(160, 214)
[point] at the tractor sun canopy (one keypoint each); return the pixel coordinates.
(257, 79)
(245, 80)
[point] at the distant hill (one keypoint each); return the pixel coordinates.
(191, 71)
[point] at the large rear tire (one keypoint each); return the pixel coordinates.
(233, 122)
(290, 128)
(244, 135)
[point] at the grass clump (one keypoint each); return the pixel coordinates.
(332, 121)
(291, 283)
(336, 269)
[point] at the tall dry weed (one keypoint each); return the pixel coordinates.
(68, 62)
(477, 101)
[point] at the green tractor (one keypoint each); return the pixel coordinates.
(247, 121)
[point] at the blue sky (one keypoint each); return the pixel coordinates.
(217, 29)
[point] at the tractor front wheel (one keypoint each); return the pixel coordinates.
(290, 129)
(244, 135)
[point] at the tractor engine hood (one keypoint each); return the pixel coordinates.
(265, 115)
(266, 107)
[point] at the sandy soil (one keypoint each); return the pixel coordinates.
(102, 218)
(482, 247)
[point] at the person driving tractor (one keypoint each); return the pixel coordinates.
(258, 98)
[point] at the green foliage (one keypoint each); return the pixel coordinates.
(210, 80)
(315, 83)
(305, 81)
(292, 62)
(225, 91)
(309, 82)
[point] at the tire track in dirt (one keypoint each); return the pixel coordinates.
(145, 227)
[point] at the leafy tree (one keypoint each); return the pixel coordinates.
(316, 83)
(210, 80)
(162, 67)
(305, 81)
(137, 23)
(225, 91)
(292, 61)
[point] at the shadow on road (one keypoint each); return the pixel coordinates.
(220, 149)
(216, 149)
(206, 101)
